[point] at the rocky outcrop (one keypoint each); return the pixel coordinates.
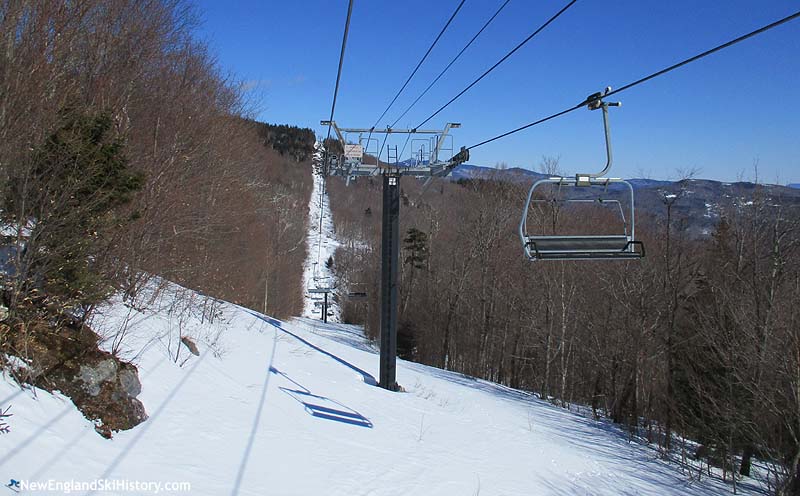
(187, 341)
(66, 358)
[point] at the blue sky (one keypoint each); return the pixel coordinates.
(719, 115)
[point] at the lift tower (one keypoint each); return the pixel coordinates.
(355, 160)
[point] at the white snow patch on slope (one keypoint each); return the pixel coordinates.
(289, 408)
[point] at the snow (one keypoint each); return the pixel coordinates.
(14, 230)
(290, 408)
(16, 363)
(321, 244)
(710, 213)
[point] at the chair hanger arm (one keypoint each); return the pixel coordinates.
(594, 102)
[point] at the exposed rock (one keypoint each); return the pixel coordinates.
(187, 341)
(66, 358)
(93, 377)
(129, 381)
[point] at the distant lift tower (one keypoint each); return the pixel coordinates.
(427, 160)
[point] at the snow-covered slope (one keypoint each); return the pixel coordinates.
(290, 408)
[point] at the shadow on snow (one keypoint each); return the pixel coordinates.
(368, 378)
(320, 406)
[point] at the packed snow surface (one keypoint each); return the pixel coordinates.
(290, 408)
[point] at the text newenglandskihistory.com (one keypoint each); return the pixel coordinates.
(102, 485)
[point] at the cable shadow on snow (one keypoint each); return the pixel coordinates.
(503, 392)
(28, 442)
(5, 401)
(321, 406)
(341, 333)
(256, 421)
(145, 426)
(367, 377)
(602, 438)
(69, 445)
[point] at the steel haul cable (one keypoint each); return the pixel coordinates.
(420, 62)
(341, 62)
(509, 54)
(378, 120)
(447, 67)
(330, 123)
(647, 78)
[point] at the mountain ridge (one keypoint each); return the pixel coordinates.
(700, 201)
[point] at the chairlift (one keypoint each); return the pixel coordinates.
(621, 245)
(318, 292)
(333, 163)
(356, 292)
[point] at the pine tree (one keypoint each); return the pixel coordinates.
(416, 247)
(77, 180)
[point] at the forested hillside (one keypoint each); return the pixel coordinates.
(698, 339)
(293, 141)
(125, 154)
(197, 193)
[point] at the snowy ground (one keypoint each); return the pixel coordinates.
(289, 408)
(321, 244)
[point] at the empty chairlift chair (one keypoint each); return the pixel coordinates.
(356, 291)
(583, 190)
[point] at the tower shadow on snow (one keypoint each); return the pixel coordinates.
(367, 377)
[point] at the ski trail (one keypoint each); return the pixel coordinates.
(321, 244)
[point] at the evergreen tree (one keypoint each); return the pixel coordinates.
(416, 247)
(69, 195)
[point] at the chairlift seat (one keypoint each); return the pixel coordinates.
(621, 245)
(583, 247)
